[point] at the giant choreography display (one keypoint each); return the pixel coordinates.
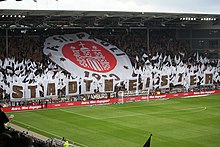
(98, 66)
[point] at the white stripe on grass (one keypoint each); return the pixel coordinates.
(184, 110)
(78, 114)
(50, 133)
(129, 106)
(100, 118)
(151, 104)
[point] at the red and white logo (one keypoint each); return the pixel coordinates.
(89, 55)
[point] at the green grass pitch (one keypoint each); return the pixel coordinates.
(182, 122)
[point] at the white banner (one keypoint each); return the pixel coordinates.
(84, 56)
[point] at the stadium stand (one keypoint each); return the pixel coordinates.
(26, 62)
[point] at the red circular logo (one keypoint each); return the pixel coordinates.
(90, 55)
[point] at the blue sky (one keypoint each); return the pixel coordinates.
(180, 6)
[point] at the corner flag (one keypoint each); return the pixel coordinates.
(147, 144)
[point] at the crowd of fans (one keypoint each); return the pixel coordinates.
(26, 63)
(14, 138)
(22, 47)
(131, 41)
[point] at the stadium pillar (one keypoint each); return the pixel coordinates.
(6, 41)
(148, 41)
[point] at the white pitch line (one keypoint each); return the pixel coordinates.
(78, 114)
(145, 105)
(185, 110)
(137, 114)
(48, 132)
(196, 109)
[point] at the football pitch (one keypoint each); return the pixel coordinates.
(182, 122)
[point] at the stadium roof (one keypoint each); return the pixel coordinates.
(101, 19)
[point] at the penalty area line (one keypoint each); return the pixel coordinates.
(103, 118)
(78, 114)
